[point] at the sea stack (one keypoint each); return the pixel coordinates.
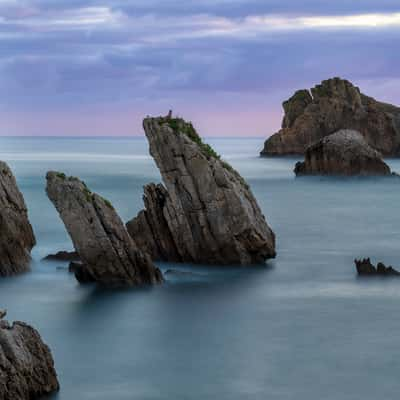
(26, 364)
(16, 234)
(345, 152)
(109, 255)
(206, 212)
(333, 105)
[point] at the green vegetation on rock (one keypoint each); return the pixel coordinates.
(108, 203)
(179, 125)
(61, 175)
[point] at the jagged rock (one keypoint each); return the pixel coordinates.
(109, 255)
(365, 267)
(333, 105)
(206, 213)
(16, 234)
(343, 153)
(3, 313)
(63, 256)
(26, 364)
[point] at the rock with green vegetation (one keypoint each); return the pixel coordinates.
(333, 105)
(206, 213)
(108, 253)
(16, 234)
(26, 364)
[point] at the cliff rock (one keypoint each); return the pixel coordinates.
(26, 364)
(333, 105)
(343, 153)
(16, 234)
(206, 213)
(109, 255)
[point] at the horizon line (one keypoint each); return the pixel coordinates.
(119, 136)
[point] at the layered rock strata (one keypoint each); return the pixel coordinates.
(333, 105)
(345, 152)
(26, 364)
(16, 235)
(108, 254)
(206, 212)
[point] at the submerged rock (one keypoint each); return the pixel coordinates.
(365, 267)
(206, 213)
(16, 234)
(63, 256)
(333, 105)
(109, 255)
(26, 364)
(343, 153)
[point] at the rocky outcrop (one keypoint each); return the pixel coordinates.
(333, 105)
(16, 234)
(206, 213)
(26, 364)
(109, 255)
(63, 256)
(366, 268)
(343, 153)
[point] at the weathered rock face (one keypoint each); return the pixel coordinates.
(16, 234)
(26, 365)
(343, 153)
(108, 253)
(366, 268)
(206, 213)
(333, 105)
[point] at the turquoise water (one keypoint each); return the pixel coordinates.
(302, 327)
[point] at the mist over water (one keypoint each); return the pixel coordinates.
(302, 327)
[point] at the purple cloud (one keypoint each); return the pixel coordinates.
(218, 56)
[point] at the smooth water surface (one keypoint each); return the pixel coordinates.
(302, 327)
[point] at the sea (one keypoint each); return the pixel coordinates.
(303, 326)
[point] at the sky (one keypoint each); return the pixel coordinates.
(97, 67)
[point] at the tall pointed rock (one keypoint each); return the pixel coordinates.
(206, 213)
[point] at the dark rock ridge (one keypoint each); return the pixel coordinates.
(63, 256)
(109, 255)
(206, 213)
(333, 105)
(343, 153)
(364, 267)
(26, 364)
(16, 234)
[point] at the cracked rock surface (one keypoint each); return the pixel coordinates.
(108, 254)
(206, 212)
(333, 105)
(343, 153)
(26, 364)
(16, 234)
